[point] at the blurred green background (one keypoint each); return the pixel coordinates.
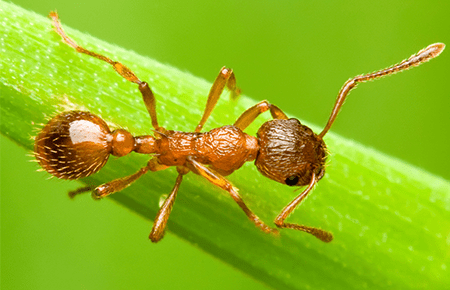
(296, 54)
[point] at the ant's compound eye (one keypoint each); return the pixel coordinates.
(292, 180)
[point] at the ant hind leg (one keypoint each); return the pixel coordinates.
(122, 70)
(117, 184)
(80, 190)
(123, 182)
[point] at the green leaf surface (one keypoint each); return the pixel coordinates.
(391, 221)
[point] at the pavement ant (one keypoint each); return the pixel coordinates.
(77, 144)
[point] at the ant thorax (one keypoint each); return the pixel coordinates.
(225, 148)
(290, 152)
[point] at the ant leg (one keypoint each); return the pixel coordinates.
(157, 232)
(80, 190)
(287, 210)
(117, 184)
(125, 72)
(422, 56)
(218, 180)
(252, 113)
(227, 78)
(122, 183)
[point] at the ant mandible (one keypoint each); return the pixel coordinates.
(77, 144)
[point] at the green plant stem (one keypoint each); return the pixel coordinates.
(391, 221)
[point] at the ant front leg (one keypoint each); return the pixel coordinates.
(287, 210)
(218, 180)
(122, 70)
(252, 113)
(227, 78)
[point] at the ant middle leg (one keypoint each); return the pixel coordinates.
(163, 214)
(287, 210)
(226, 78)
(253, 112)
(122, 70)
(218, 180)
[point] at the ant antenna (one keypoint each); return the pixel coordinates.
(417, 59)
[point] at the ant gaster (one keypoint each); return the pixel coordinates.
(77, 144)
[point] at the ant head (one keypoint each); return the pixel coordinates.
(77, 144)
(290, 152)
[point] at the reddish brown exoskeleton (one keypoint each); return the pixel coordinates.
(77, 144)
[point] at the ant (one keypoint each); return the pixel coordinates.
(76, 144)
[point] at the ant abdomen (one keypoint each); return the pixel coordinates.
(77, 144)
(290, 152)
